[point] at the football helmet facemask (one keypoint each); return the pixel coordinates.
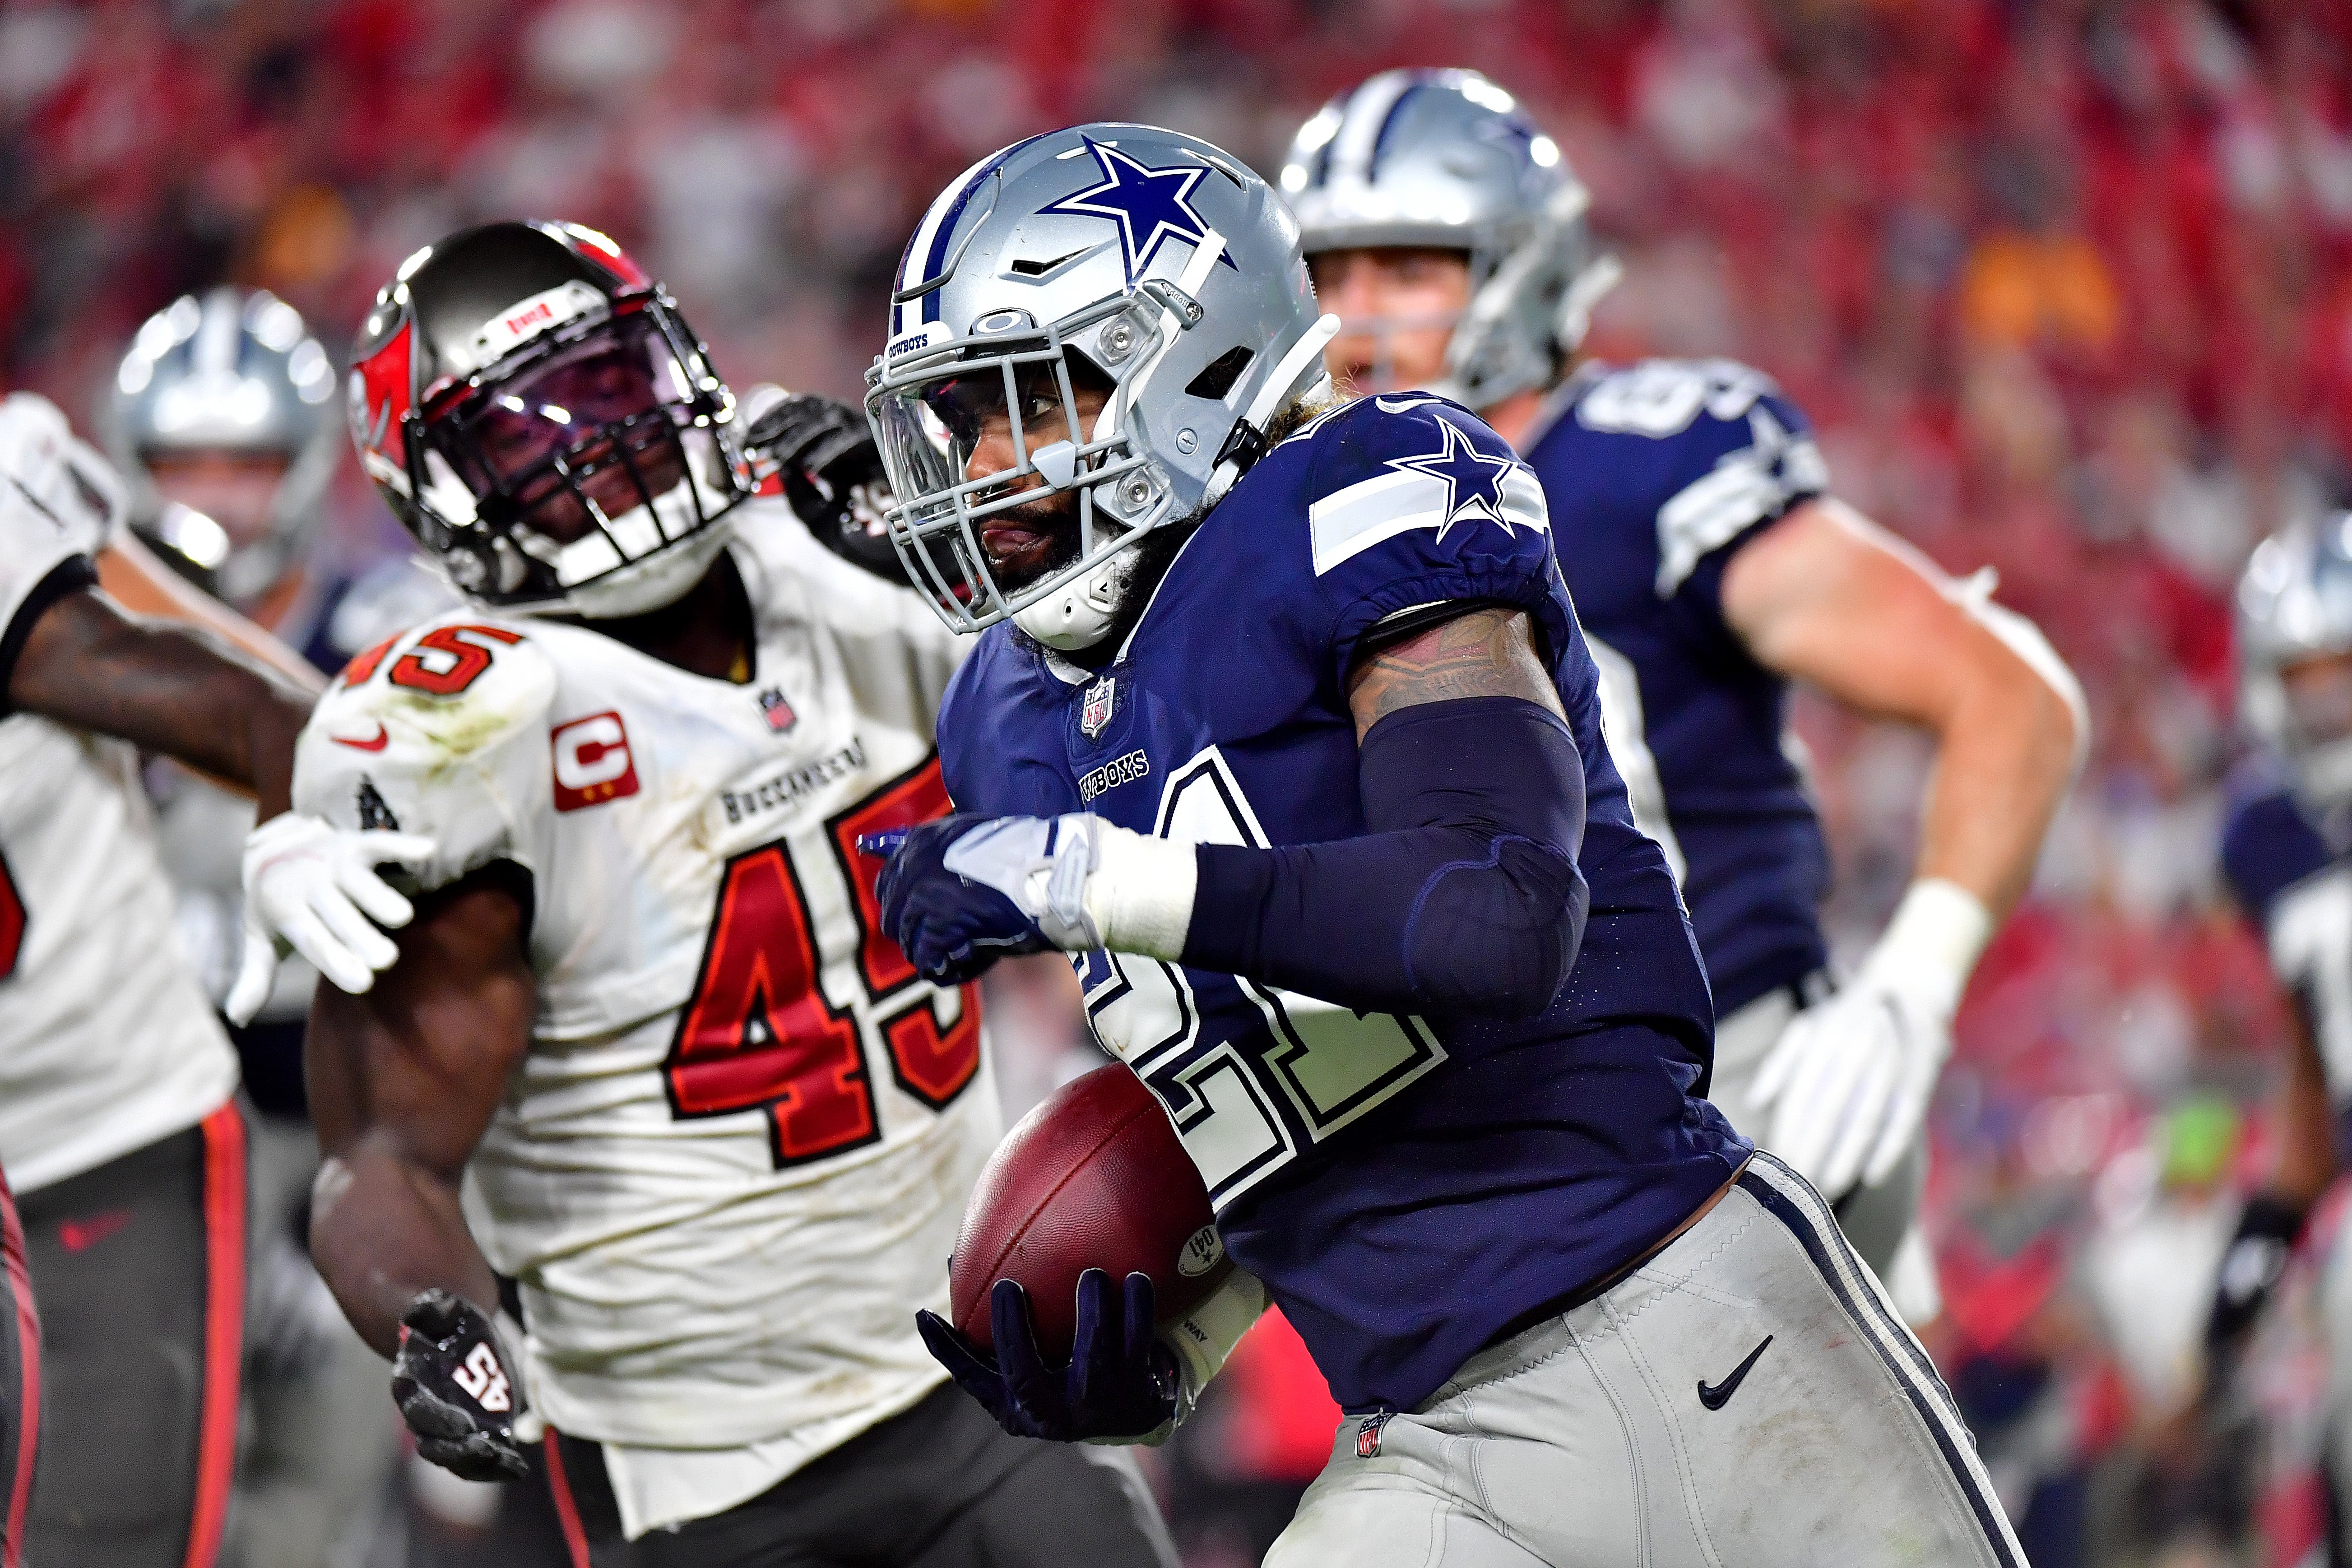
(232, 374)
(2295, 641)
(540, 416)
(1445, 159)
(1110, 313)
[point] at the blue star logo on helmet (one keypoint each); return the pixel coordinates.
(1473, 481)
(1150, 204)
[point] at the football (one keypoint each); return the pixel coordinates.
(1093, 1178)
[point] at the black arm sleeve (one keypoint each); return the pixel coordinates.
(1464, 898)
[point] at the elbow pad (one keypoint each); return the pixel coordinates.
(1464, 898)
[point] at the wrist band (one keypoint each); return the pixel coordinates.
(1938, 931)
(1140, 895)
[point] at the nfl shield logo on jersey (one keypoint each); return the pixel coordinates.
(1101, 697)
(1368, 1434)
(779, 712)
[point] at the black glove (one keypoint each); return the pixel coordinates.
(831, 475)
(2251, 1268)
(1121, 1381)
(456, 1390)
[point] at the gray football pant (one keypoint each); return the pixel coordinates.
(1746, 1399)
(1881, 1219)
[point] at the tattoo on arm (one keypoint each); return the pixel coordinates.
(1480, 653)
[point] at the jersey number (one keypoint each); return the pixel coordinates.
(12, 921)
(1254, 1101)
(444, 660)
(759, 1032)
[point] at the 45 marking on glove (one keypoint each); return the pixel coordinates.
(480, 1375)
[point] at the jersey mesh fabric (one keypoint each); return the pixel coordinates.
(1405, 1186)
(1655, 475)
(107, 1042)
(723, 1293)
(2296, 890)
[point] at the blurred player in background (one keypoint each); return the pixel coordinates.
(224, 414)
(2286, 849)
(1280, 720)
(119, 1123)
(1710, 568)
(645, 1051)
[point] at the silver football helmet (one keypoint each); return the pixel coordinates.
(2295, 606)
(236, 372)
(1445, 158)
(1158, 271)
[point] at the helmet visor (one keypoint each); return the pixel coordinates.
(589, 456)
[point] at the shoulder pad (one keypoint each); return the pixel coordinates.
(1385, 466)
(1662, 397)
(448, 688)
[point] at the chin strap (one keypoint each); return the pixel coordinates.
(1246, 443)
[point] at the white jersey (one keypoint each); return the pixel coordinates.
(107, 1042)
(732, 1164)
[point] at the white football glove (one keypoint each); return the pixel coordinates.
(1848, 1083)
(313, 886)
(55, 474)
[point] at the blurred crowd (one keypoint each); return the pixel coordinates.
(2066, 287)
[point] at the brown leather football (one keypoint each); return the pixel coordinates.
(1093, 1178)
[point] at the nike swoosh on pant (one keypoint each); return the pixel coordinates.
(1719, 1396)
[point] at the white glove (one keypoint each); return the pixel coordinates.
(314, 886)
(63, 478)
(1848, 1081)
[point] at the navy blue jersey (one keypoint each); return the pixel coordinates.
(1407, 1188)
(1655, 475)
(2298, 889)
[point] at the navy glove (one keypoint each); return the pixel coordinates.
(456, 1390)
(1122, 1382)
(961, 892)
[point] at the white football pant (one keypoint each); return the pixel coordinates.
(1746, 1399)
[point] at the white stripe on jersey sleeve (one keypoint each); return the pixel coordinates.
(1747, 487)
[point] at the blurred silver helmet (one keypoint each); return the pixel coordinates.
(1144, 259)
(234, 372)
(1446, 159)
(2295, 605)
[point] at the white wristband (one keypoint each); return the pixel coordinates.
(1140, 895)
(1206, 1335)
(1932, 944)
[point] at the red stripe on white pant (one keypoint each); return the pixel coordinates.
(225, 1218)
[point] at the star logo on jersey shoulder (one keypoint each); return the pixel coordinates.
(1473, 481)
(1150, 204)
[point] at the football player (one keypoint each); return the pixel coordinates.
(119, 1125)
(1711, 568)
(2285, 851)
(645, 1051)
(1280, 721)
